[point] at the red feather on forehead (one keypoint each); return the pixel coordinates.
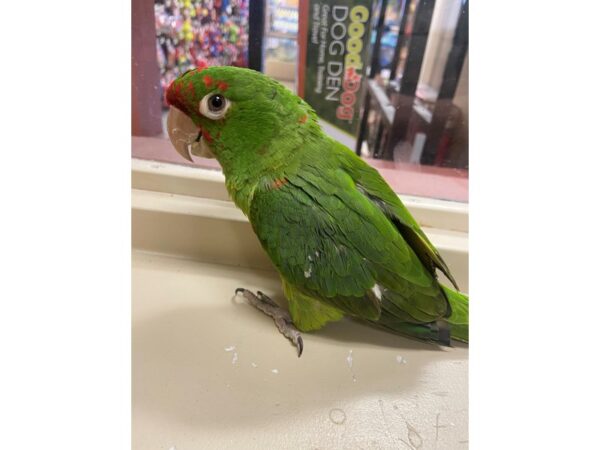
(191, 88)
(173, 95)
(201, 66)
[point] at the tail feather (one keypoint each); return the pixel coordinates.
(458, 321)
(423, 332)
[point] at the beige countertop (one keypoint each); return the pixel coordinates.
(210, 371)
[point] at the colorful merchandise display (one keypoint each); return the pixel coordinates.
(190, 33)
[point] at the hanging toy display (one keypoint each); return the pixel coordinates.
(192, 33)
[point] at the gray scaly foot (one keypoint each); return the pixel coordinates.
(277, 313)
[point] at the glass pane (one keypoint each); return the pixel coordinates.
(409, 119)
(444, 67)
(281, 46)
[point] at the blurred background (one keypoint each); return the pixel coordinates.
(407, 116)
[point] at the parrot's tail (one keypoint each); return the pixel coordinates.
(459, 319)
(457, 322)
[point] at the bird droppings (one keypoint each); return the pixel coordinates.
(230, 348)
(308, 273)
(172, 448)
(337, 416)
(275, 371)
(235, 358)
(400, 359)
(254, 366)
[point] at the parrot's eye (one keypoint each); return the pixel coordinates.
(214, 106)
(216, 102)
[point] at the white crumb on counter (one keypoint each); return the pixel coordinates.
(349, 359)
(400, 359)
(275, 371)
(231, 348)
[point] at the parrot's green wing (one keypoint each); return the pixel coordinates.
(370, 182)
(331, 242)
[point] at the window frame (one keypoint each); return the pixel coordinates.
(186, 212)
(440, 184)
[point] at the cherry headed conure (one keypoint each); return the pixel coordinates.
(341, 239)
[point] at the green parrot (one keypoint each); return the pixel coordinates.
(340, 238)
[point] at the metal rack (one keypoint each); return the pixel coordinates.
(396, 106)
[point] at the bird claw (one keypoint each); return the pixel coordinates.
(300, 346)
(266, 299)
(282, 318)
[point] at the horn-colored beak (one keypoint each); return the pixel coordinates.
(185, 136)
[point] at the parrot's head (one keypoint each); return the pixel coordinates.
(225, 110)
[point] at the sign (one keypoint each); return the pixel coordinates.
(334, 41)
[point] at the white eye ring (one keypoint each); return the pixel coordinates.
(210, 107)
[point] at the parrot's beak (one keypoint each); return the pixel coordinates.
(185, 136)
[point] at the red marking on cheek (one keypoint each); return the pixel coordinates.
(222, 86)
(303, 119)
(207, 136)
(208, 81)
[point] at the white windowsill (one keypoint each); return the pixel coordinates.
(185, 211)
(213, 372)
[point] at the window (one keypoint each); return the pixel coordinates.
(409, 119)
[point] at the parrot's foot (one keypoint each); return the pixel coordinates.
(280, 316)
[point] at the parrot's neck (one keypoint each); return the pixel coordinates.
(262, 166)
(245, 175)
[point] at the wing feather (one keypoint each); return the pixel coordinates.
(373, 186)
(331, 242)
